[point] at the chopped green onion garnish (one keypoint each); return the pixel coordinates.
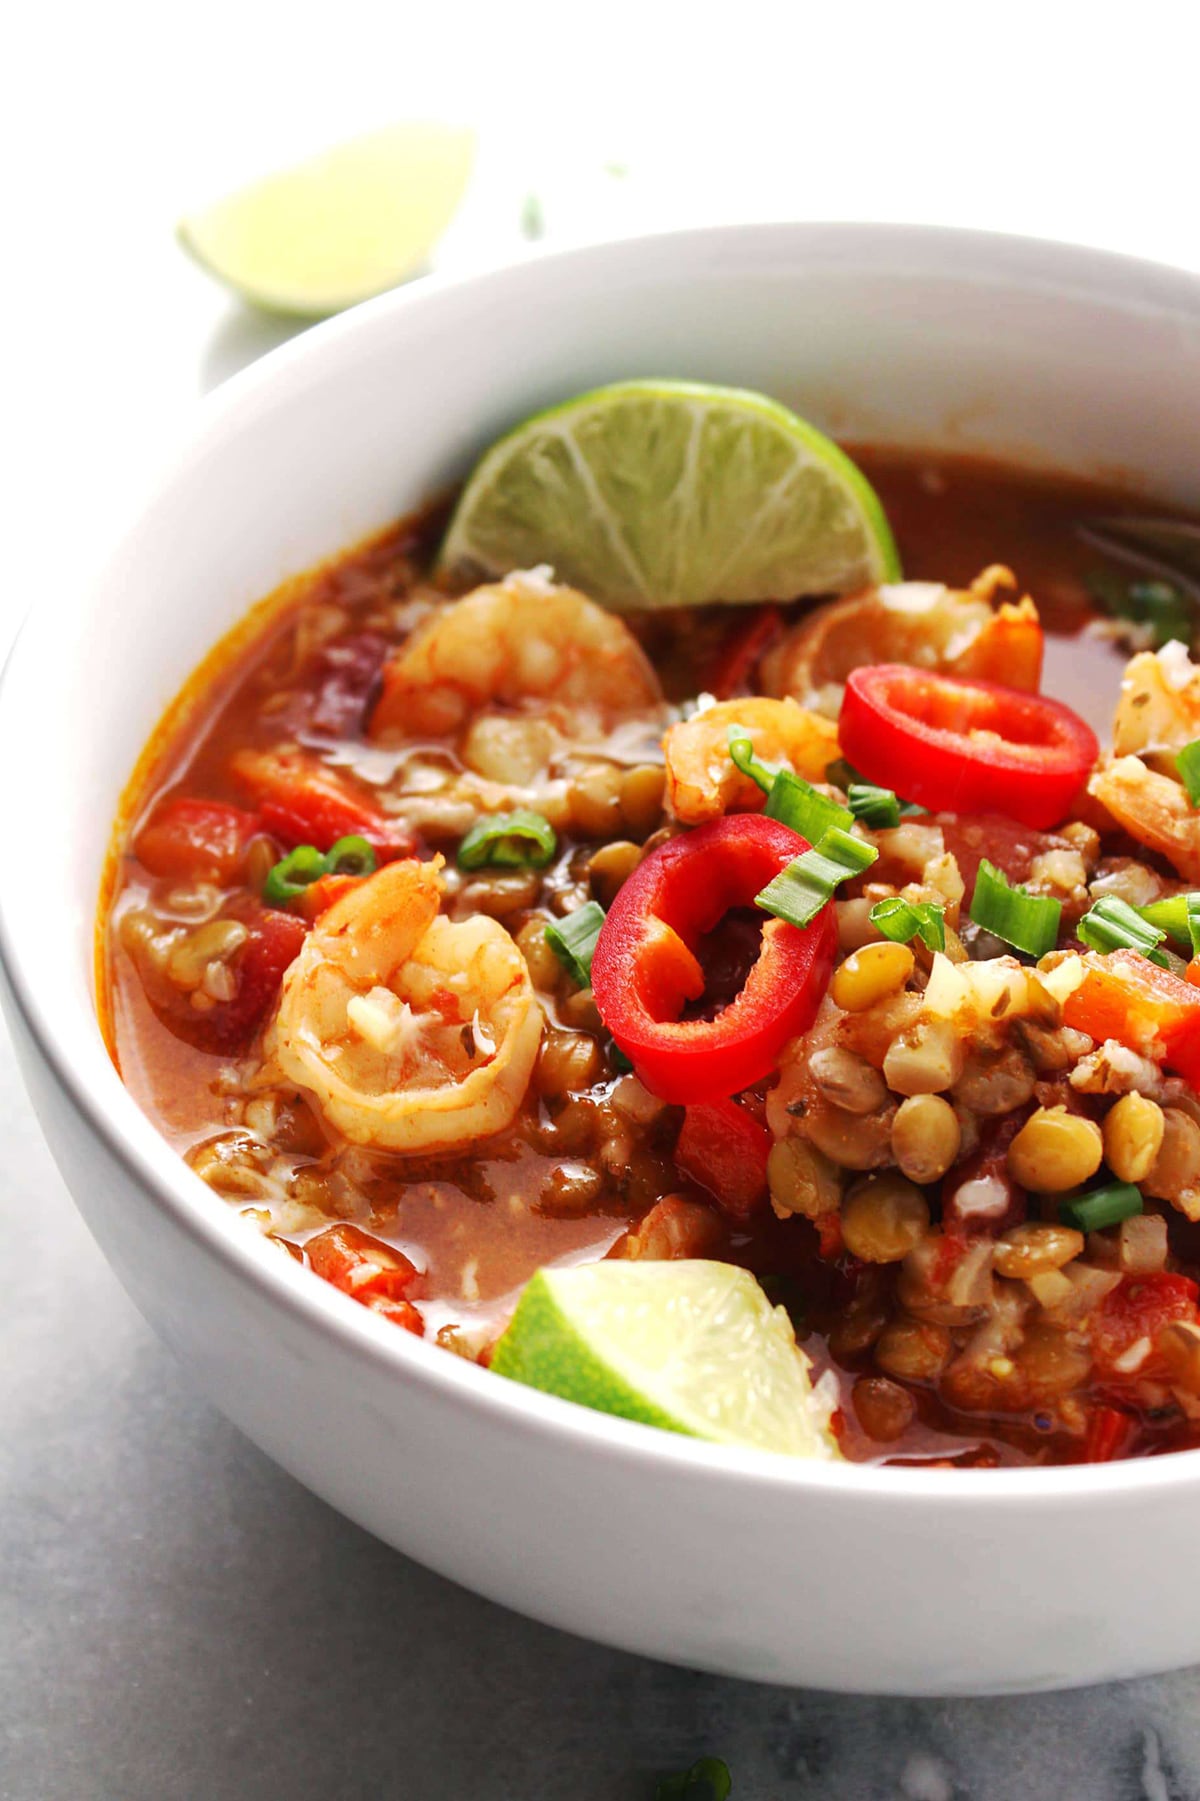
(1160, 605)
(1179, 917)
(1113, 925)
(518, 840)
(707, 1780)
(741, 749)
(573, 940)
(798, 892)
(1029, 922)
(351, 856)
(877, 808)
(901, 919)
(1187, 762)
(293, 874)
(796, 803)
(1102, 1207)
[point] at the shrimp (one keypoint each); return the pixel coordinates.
(1158, 712)
(1153, 808)
(522, 639)
(1159, 704)
(411, 1033)
(934, 627)
(702, 778)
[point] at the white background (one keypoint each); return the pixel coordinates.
(176, 1617)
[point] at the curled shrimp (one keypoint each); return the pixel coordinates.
(1153, 808)
(956, 631)
(702, 778)
(524, 639)
(1159, 704)
(411, 1032)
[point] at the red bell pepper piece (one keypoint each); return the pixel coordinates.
(302, 802)
(966, 746)
(725, 1150)
(743, 650)
(1109, 1433)
(1125, 996)
(196, 840)
(369, 1271)
(645, 968)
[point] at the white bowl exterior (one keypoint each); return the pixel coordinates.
(911, 1582)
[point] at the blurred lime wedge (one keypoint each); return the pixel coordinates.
(341, 227)
(666, 493)
(693, 1347)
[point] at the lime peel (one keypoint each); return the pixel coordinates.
(692, 1346)
(671, 493)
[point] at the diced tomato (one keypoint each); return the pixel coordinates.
(302, 802)
(741, 652)
(830, 1242)
(1126, 997)
(1136, 1311)
(979, 1197)
(349, 674)
(725, 1150)
(970, 837)
(196, 840)
(369, 1271)
(227, 1027)
(1109, 1434)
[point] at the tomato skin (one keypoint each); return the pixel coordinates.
(917, 732)
(1000, 1203)
(1139, 1308)
(645, 969)
(1109, 1435)
(1149, 1010)
(725, 1150)
(196, 840)
(369, 1271)
(302, 802)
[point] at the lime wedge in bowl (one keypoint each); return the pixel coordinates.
(668, 493)
(341, 227)
(692, 1346)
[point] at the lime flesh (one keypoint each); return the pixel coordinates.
(692, 1346)
(664, 493)
(343, 226)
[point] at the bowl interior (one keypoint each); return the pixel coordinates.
(1065, 358)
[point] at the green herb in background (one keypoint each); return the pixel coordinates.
(707, 1780)
(1160, 605)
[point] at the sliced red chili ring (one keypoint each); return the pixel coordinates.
(966, 746)
(645, 968)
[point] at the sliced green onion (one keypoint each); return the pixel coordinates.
(1187, 762)
(1106, 1206)
(741, 749)
(901, 919)
(573, 940)
(875, 807)
(518, 840)
(796, 803)
(351, 855)
(1029, 922)
(1113, 925)
(1179, 917)
(1160, 605)
(707, 1780)
(798, 892)
(293, 874)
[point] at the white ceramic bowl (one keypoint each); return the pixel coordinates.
(852, 1578)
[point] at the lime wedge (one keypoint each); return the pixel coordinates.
(668, 493)
(694, 1347)
(341, 227)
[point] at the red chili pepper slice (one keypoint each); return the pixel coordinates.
(645, 967)
(966, 746)
(726, 1151)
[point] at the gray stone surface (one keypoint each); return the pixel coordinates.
(179, 1619)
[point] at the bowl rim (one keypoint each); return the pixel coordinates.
(166, 1182)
